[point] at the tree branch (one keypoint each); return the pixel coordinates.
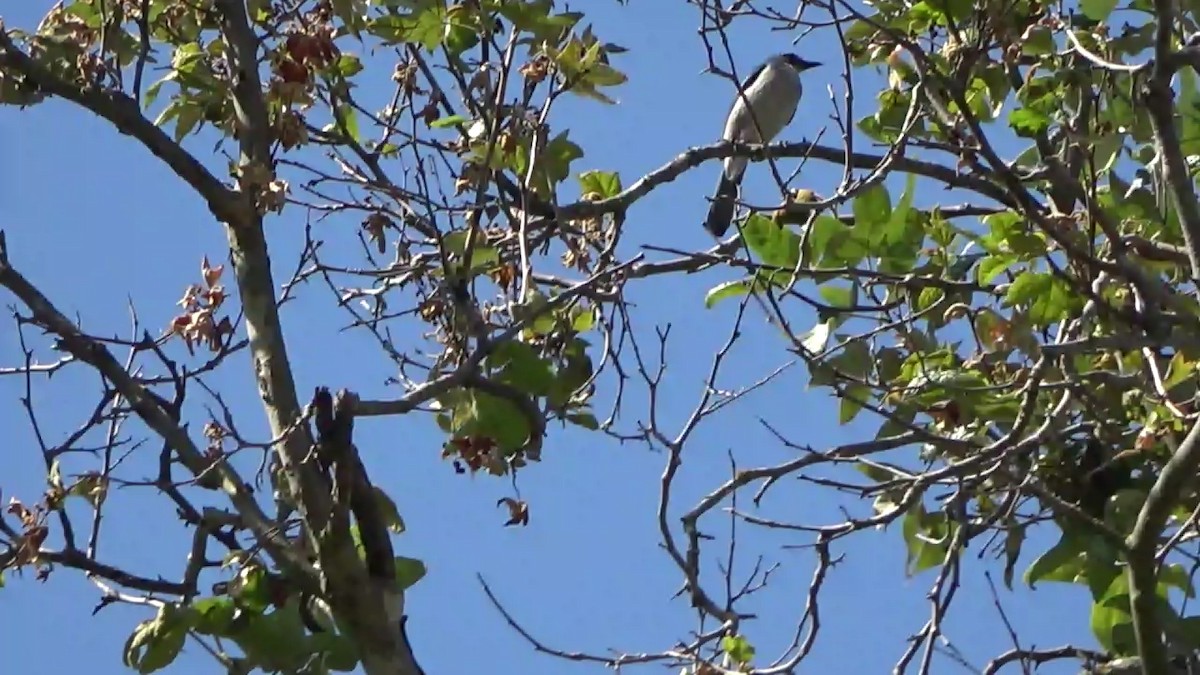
(693, 157)
(144, 403)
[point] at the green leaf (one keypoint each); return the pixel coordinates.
(519, 365)
(572, 375)
(1097, 10)
(533, 16)
(738, 648)
(872, 213)
(425, 25)
(1038, 41)
(993, 266)
(408, 572)
(852, 402)
(1188, 106)
(275, 641)
(1028, 122)
(556, 159)
(823, 233)
(347, 121)
(1027, 287)
(728, 289)
(480, 414)
(897, 222)
(584, 419)
(1176, 575)
(164, 648)
(1014, 537)
(155, 644)
(351, 14)
(462, 30)
(190, 114)
(339, 651)
(1062, 562)
(771, 242)
(482, 257)
(604, 183)
(927, 536)
(252, 589)
(1111, 621)
(583, 319)
(450, 121)
(214, 616)
(387, 510)
(349, 65)
(1107, 624)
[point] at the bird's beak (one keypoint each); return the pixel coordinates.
(805, 65)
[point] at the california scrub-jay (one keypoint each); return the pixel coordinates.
(772, 92)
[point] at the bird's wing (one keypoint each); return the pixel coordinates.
(738, 109)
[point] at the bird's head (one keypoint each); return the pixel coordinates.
(800, 65)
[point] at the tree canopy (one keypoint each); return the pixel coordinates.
(988, 258)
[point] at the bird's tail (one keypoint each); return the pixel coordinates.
(720, 213)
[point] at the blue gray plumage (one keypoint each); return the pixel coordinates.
(773, 92)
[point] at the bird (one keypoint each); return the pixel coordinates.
(772, 92)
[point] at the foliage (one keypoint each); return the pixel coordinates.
(1028, 354)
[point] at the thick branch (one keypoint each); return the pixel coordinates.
(1160, 105)
(693, 157)
(1143, 548)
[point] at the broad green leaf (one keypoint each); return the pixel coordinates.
(897, 224)
(773, 243)
(1038, 41)
(190, 114)
(1028, 287)
(155, 644)
(387, 510)
(424, 25)
(584, 419)
(583, 319)
(1062, 562)
(872, 211)
(993, 266)
(1176, 575)
(483, 257)
(349, 65)
(347, 121)
(408, 572)
(480, 414)
(738, 648)
(852, 402)
(1188, 106)
(1028, 122)
(1108, 624)
(518, 364)
(604, 183)
(1097, 10)
(727, 289)
(533, 16)
(213, 616)
(927, 536)
(449, 121)
(275, 641)
(572, 375)
(163, 648)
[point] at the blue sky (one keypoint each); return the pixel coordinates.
(98, 223)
